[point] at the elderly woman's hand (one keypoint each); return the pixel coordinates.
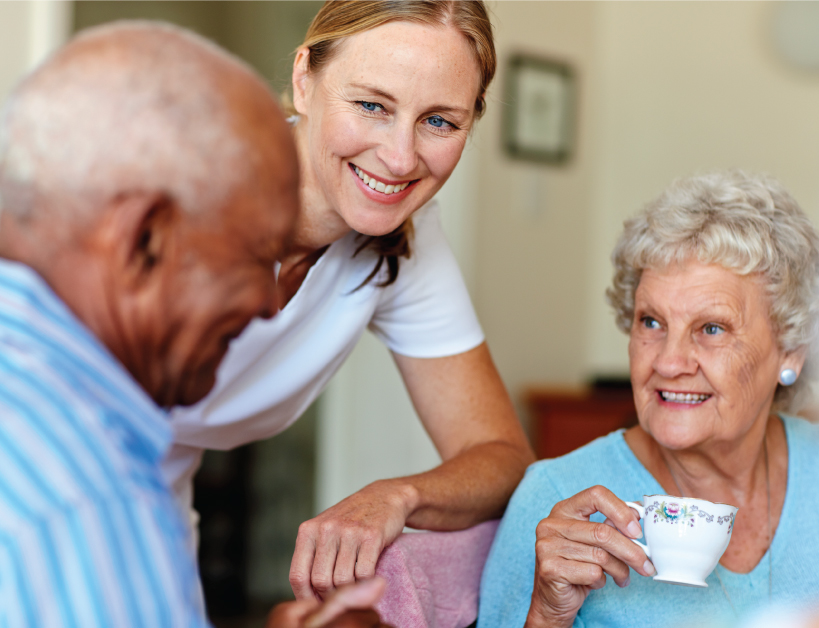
(342, 544)
(573, 554)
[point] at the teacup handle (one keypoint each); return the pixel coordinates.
(641, 511)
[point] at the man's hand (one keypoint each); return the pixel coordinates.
(573, 555)
(342, 544)
(349, 607)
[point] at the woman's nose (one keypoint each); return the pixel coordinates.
(676, 357)
(398, 151)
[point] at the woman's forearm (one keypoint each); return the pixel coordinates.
(465, 490)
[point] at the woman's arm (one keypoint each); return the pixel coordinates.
(467, 412)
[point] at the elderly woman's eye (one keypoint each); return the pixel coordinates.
(650, 323)
(712, 330)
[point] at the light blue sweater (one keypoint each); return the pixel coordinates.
(508, 577)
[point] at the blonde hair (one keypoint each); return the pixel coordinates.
(339, 19)
(744, 223)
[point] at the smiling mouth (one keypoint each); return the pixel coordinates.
(691, 399)
(385, 187)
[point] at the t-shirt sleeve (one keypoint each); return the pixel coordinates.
(427, 312)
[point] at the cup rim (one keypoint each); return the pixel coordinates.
(699, 499)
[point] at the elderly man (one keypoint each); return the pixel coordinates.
(147, 183)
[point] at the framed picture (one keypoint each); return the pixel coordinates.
(540, 103)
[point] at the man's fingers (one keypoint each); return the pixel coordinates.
(361, 596)
(301, 567)
(600, 499)
(357, 619)
(291, 614)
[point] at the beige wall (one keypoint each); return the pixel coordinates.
(532, 220)
(666, 89)
(14, 42)
(690, 87)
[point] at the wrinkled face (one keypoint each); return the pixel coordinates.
(703, 354)
(224, 276)
(224, 280)
(386, 120)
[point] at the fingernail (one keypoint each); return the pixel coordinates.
(648, 568)
(635, 530)
(626, 583)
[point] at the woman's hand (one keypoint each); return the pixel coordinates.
(351, 607)
(342, 544)
(573, 555)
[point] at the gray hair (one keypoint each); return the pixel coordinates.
(744, 223)
(126, 106)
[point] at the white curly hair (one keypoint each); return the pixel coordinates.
(745, 223)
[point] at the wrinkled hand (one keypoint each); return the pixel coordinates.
(350, 607)
(342, 544)
(573, 555)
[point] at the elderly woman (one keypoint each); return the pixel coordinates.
(715, 285)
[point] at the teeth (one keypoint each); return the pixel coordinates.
(380, 186)
(689, 398)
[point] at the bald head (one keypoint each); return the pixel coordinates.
(132, 105)
(151, 180)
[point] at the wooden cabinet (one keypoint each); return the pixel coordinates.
(564, 419)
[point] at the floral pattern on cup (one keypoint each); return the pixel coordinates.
(673, 512)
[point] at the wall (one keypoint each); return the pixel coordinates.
(28, 32)
(532, 218)
(14, 21)
(687, 87)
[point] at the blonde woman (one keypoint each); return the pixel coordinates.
(386, 93)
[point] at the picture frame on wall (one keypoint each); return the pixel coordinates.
(540, 97)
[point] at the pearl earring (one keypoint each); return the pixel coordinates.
(787, 377)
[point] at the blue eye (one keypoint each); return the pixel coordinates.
(650, 323)
(370, 106)
(439, 123)
(712, 330)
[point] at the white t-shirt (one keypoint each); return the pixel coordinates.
(277, 367)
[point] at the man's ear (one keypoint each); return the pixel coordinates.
(301, 79)
(139, 232)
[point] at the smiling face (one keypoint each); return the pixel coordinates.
(703, 355)
(384, 122)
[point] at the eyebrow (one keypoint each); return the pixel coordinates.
(387, 96)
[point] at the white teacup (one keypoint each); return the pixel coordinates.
(686, 537)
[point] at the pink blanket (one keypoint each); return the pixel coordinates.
(433, 577)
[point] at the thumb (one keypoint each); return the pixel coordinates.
(359, 596)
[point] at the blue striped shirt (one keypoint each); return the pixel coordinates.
(90, 535)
